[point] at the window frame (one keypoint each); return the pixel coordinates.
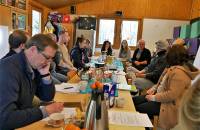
(39, 19)
(122, 28)
(117, 31)
(34, 7)
(97, 32)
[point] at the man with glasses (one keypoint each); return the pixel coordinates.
(21, 77)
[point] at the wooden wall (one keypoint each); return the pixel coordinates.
(5, 17)
(195, 11)
(166, 9)
(45, 10)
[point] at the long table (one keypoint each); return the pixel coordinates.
(61, 97)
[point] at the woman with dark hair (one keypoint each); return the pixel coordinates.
(107, 48)
(164, 98)
(78, 53)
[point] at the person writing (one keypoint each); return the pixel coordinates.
(24, 75)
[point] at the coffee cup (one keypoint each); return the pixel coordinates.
(56, 119)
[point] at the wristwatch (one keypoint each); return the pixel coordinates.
(44, 75)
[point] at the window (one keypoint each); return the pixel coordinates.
(106, 30)
(36, 22)
(129, 32)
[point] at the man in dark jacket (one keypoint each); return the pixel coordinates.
(78, 53)
(22, 76)
(149, 76)
(16, 41)
(141, 57)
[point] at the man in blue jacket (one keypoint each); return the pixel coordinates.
(21, 77)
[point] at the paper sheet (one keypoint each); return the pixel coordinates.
(72, 88)
(129, 119)
(68, 113)
(197, 59)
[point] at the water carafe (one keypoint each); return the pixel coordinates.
(96, 114)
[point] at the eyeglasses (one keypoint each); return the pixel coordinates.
(48, 58)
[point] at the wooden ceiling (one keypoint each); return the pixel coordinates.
(54, 4)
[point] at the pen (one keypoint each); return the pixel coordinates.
(68, 87)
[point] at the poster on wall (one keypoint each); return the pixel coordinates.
(21, 22)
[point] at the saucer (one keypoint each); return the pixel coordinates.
(51, 123)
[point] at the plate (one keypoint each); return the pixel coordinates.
(51, 123)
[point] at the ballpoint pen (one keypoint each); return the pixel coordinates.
(68, 87)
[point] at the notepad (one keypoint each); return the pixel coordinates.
(126, 87)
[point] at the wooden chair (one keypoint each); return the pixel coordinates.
(71, 74)
(155, 122)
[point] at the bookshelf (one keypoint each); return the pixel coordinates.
(19, 13)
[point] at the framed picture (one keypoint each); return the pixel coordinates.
(21, 21)
(14, 24)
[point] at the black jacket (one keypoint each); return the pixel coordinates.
(156, 67)
(77, 55)
(10, 53)
(145, 55)
(17, 89)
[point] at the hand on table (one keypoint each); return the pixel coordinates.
(54, 107)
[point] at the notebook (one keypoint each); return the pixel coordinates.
(126, 87)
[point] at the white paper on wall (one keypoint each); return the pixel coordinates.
(4, 46)
(159, 29)
(197, 59)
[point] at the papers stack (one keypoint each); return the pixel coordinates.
(129, 119)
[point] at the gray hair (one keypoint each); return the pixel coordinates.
(41, 41)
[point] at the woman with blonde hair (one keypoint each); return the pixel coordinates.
(125, 51)
(189, 115)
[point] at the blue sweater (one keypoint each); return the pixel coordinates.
(17, 89)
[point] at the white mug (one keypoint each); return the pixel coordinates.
(120, 102)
